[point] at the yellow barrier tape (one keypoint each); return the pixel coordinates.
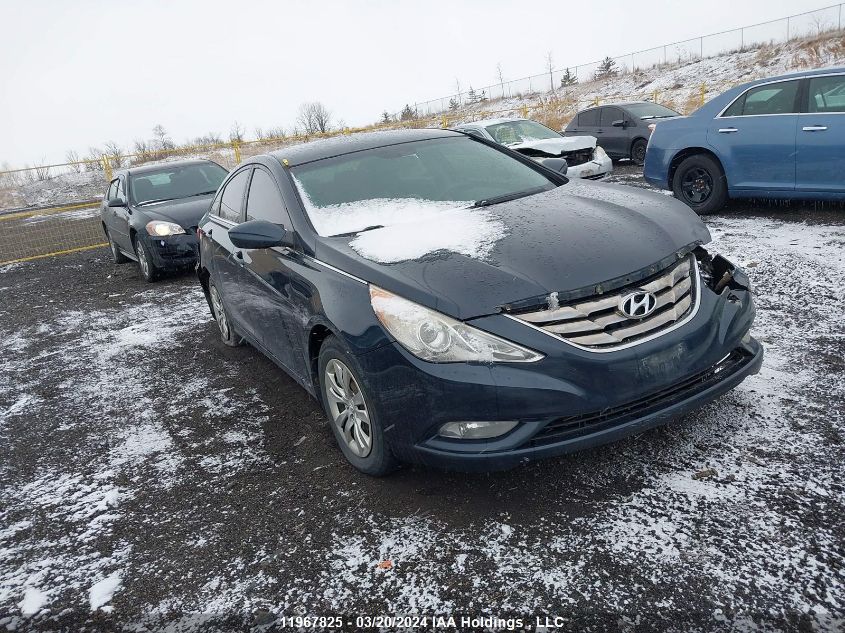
(54, 253)
(47, 211)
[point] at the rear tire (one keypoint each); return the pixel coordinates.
(700, 183)
(116, 254)
(227, 331)
(354, 421)
(638, 148)
(145, 261)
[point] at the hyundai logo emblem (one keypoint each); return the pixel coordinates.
(637, 305)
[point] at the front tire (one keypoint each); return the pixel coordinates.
(227, 331)
(116, 254)
(355, 423)
(145, 260)
(638, 148)
(700, 183)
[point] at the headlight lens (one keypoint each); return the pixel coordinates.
(438, 338)
(599, 154)
(159, 228)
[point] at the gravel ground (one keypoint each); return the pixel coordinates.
(153, 478)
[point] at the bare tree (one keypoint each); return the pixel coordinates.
(550, 66)
(501, 78)
(72, 157)
(114, 153)
(163, 140)
(236, 134)
(95, 155)
(314, 118)
(42, 172)
(458, 86)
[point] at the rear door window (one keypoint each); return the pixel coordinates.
(589, 118)
(827, 94)
(776, 98)
(231, 201)
(264, 202)
(609, 115)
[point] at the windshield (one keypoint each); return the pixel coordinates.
(520, 132)
(651, 111)
(170, 183)
(408, 182)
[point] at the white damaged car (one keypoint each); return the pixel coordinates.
(585, 158)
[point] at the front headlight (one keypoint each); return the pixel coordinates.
(599, 154)
(438, 338)
(158, 228)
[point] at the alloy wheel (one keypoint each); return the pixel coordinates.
(697, 185)
(348, 408)
(219, 313)
(142, 259)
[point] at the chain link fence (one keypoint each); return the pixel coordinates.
(807, 24)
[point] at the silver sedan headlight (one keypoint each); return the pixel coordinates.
(437, 338)
(159, 228)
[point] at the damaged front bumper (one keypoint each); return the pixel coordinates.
(573, 398)
(592, 169)
(174, 252)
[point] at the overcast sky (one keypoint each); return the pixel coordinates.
(80, 73)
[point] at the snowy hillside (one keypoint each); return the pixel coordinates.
(677, 85)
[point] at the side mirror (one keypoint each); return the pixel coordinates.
(619, 123)
(117, 202)
(555, 164)
(260, 234)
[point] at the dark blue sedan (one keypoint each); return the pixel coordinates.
(782, 137)
(452, 302)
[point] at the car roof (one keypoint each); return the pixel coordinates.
(346, 144)
(145, 169)
(797, 75)
(486, 122)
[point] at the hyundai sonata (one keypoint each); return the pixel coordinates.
(453, 302)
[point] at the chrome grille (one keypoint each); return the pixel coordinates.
(597, 323)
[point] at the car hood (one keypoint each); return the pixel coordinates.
(578, 239)
(186, 212)
(557, 145)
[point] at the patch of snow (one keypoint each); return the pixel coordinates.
(470, 232)
(33, 601)
(101, 593)
(349, 217)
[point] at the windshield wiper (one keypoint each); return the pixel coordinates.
(202, 193)
(506, 197)
(141, 204)
(364, 230)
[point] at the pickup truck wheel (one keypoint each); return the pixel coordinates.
(638, 148)
(355, 423)
(701, 184)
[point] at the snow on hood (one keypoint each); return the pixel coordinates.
(354, 216)
(470, 232)
(557, 145)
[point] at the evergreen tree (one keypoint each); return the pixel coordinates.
(453, 104)
(385, 117)
(568, 79)
(607, 68)
(408, 113)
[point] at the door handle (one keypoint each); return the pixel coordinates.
(727, 130)
(814, 128)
